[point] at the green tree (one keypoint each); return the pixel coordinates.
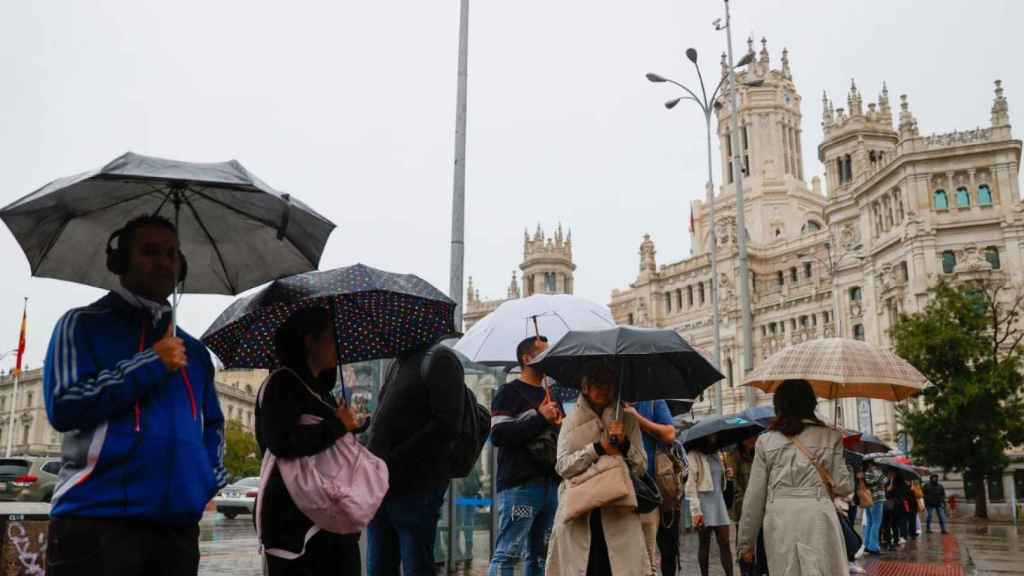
(241, 453)
(967, 342)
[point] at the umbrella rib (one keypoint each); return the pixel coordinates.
(213, 243)
(273, 225)
(49, 247)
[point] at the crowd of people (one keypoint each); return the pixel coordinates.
(144, 448)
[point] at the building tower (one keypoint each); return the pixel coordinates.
(858, 142)
(547, 265)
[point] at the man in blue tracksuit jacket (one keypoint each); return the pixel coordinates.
(143, 429)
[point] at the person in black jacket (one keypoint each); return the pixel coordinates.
(935, 500)
(306, 348)
(527, 486)
(413, 430)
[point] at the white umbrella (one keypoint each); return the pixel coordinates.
(494, 338)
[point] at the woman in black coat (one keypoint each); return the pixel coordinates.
(305, 346)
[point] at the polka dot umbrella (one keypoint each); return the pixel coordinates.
(377, 314)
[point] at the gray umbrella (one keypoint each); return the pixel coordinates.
(236, 232)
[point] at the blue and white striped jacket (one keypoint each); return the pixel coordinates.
(139, 442)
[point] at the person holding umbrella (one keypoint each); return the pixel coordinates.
(799, 468)
(308, 357)
(144, 433)
(704, 491)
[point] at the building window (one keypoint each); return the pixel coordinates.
(549, 282)
(24, 435)
(793, 275)
(940, 200)
(700, 293)
(948, 262)
(992, 255)
(904, 272)
(963, 198)
(668, 302)
(803, 321)
(826, 317)
(807, 269)
(897, 199)
(728, 156)
(780, 277)
(984, 195)
(746, 153)
(29, 399)
(845, 165)
(689, 296)
(3, 403)
(811, 226)
(858, 332)
(629, 320)
(679, 299)
(856, 294)
(771, 327)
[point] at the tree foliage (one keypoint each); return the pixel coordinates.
(241, 453)
(967, 342)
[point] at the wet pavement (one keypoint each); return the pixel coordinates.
(228, 547)
(992, 549)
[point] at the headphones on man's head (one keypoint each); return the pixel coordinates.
(119, 261)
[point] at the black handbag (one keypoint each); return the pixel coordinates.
(648, 496)
(542, 449)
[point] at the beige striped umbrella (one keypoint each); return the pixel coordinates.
(841, 368)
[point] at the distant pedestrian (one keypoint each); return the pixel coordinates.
(306, 348)
(935, 501)
(143, 441)
(525, 421)
(787, 493)
(705, 492)
(875, 481)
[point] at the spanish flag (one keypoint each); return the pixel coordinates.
(21, 339)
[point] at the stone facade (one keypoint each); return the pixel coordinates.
(33, 434)
(547, 268)
(901, 211)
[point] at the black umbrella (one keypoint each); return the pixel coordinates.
(377, 314)
(905, 471)
(235, 231)
(651, 364)
(720, 432)
(863, 443)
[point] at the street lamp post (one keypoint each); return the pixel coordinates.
(737, 168)
(707, 106)
(14, 403)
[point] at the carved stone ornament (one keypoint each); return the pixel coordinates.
(849, 236)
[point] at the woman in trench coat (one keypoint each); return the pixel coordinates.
(802, 535)
(608, 540)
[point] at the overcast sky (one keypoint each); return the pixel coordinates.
(350, 106)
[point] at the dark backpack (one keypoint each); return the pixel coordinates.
(476, 420)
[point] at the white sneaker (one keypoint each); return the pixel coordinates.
(859, 554)
(854, 569)
(903, 541)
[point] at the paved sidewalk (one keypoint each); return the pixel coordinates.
(992, 549)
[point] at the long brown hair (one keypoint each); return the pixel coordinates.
(794, 403)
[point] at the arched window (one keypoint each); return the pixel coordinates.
(700, 293)
(984, 195)
(948, 262)
(811, 226)
(940, 200)
(793, 274)
(858, 332)
(855, 294)
(963, 198)
(807, 269)
(668, 302)
(780, 277)
(992, 256)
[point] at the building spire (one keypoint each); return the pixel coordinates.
(513, 287)
(826, 111)
(908, 124)
(786, 72)
(764, 50)
(1000, 107)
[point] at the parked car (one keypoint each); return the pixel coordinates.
(28, 478)
(238, 498)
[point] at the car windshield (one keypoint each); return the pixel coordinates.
(9, 467)
(248, 482)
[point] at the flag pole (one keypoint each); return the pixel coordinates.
(17, 377)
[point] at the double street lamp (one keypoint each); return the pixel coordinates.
(707, 105)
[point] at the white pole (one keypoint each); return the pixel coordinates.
(10, 425)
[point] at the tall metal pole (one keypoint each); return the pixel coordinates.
(713, 253)
(458, 231)
(459, 181)
(14, 398)
(737, 168)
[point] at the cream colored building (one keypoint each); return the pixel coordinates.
(547, 268)
(897, 211)
(33, 434)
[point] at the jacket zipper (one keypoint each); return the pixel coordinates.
(184, 375)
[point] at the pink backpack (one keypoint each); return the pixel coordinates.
(339, 488)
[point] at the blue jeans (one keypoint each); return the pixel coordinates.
(400, 538)
(526, 513)
(940, 511)
(874, 528)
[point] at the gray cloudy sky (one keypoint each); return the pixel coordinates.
(350, 107)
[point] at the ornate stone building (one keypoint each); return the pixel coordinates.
(547, 268)
(33, 434)
(901, 211)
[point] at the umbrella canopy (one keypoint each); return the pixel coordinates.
(762, 415)
(719, 432)
(377, 314)
(652, 364)
(906, 471)
(841, 368)
(863, 443)
(235, 231)
(493, 340)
